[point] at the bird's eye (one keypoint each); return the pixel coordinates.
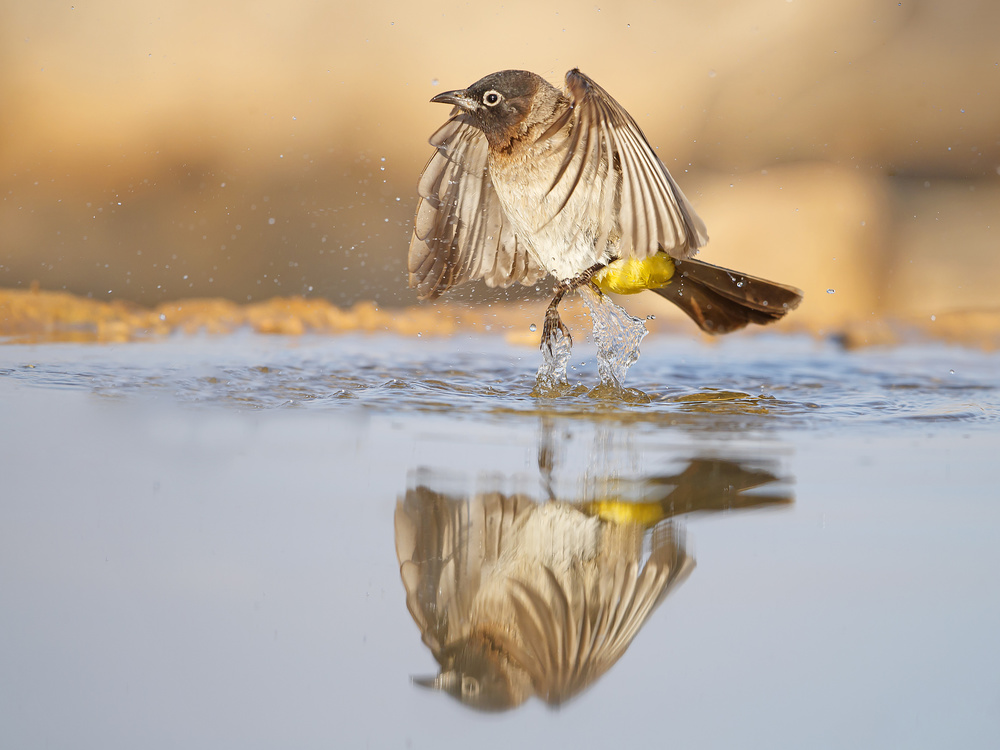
(491, 98)
(470, 686)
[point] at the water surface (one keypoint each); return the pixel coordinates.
(198, 542)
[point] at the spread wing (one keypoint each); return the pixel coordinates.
(448, 547)
(460, 233)
(643, 209)
(574, 630)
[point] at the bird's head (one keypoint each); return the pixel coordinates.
(481, 674)
(507, 104)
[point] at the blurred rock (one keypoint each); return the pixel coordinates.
(980, 328)
(945, 255)
(39, 316)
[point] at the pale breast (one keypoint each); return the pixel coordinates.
(563, 227)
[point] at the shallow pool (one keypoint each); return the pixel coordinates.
(201, 543)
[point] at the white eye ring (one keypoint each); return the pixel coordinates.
(470, 686)
(492, 98)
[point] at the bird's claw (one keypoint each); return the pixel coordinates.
(552, 329)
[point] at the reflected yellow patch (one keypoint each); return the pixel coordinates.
(620, 512)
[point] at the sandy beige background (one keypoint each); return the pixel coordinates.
(156, 151)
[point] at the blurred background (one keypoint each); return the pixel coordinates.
(161, 151)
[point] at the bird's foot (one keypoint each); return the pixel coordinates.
(554, 332)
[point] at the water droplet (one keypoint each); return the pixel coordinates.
(951, 372)
(830, 291)
(650, 317)
(532, 328)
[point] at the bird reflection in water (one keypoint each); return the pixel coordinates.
(516, 597)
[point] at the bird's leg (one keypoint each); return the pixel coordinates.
(552, 319)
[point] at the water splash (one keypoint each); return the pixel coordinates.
(555, 358)
(617, 335)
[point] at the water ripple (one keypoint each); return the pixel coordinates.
(753, 383)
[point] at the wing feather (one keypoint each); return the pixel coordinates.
(573, 631)
(652, 213)
(459, 232)
(447, 546)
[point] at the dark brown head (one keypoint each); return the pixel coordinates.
(481, 673)
(506, 105)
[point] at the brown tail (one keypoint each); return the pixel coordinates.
(720, 300)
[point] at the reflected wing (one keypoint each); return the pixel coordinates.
(447, 548)
(459, 233)
(643, 209)
(575, 630)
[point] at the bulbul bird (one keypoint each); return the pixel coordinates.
(527, 180)
(516, 598)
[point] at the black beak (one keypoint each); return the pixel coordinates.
(442, 681)
(458, 98)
